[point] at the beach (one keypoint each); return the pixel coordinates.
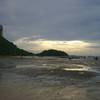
(49, 78)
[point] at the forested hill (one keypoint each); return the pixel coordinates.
(9, 49)
(52, 52)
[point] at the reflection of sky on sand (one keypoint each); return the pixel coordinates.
(65, 67)
(80, 68)
(77, 68)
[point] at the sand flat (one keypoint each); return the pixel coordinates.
(45, 79)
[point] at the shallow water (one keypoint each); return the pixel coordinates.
(49, 79)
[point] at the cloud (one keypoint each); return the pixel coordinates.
(52, 19)
(77, 47)
(94, 46)
(37, 45)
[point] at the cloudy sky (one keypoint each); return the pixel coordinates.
(69, 25)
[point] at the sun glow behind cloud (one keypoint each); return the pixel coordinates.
(37, 45)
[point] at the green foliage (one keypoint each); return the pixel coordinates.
(53, 52)
(8, 48)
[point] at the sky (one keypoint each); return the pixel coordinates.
(69, 25)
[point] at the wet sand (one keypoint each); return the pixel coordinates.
(47, 79)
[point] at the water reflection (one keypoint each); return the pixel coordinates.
(75, 67)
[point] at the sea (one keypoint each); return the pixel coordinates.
(49, 78)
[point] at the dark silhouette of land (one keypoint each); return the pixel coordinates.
(52, 52)
(8, 48)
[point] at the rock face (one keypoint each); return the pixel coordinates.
(8, 48)
(53, 52)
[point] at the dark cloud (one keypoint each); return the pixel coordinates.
(51, 19)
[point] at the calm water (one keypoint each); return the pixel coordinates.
(49, 79)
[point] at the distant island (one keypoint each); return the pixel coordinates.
(7, 48)
(53, 53)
